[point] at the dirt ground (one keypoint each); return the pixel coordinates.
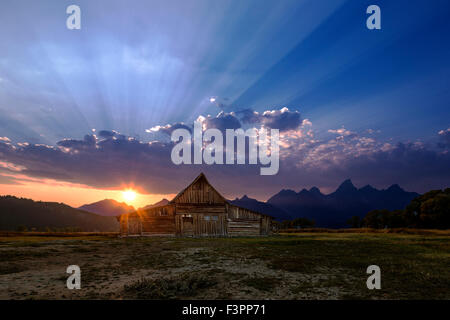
(294, 266)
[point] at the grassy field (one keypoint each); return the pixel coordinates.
(313, 265)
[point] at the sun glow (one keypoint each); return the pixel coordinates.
(129, 195)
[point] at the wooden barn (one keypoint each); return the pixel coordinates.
(198, 210)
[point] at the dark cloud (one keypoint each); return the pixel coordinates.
(109, 134)
(444, 141)
(168, 129)
(282, 119)
(8, 180)
(248, 116)
(221, 103)
(413, 166)
(106, 134)
(113, 160)
(222, 121)
(88, 142)
(343, 133)
(109, 162)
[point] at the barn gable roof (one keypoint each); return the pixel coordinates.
(200, 176)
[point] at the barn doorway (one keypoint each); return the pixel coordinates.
(187, 225)
(134, 226)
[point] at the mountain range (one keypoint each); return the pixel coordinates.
(327, 210)
(262, 207)
(19, 212)
(162, 202)
(107, 207)
(330, 210)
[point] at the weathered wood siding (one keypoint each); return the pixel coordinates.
(242, 221)
(198, 224)
(266, 225)
(123, 221)
(192, 208)
(158, 221)
(201, 220)
(241, 227)
(199, 210)
(195, 220)
(134, 224)
(200, 192)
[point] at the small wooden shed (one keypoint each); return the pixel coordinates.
(198, 210)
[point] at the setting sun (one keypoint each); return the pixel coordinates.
(129, 195)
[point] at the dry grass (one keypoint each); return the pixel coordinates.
(306, 265)
(185, 285)
(15, 234)
(369, 230)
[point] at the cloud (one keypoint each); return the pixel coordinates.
(444, 136)
(169, 128)
(8, 180)
(221, 103)
(110, 159)
(222, 121)
(109, 134)
(343, 133)
(10, 167)
(88, 142)
(106, 162)
(282, 119)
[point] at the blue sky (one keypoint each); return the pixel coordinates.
(135, 65)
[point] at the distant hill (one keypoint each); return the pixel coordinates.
(334, 209)
(16, 212)
(163, 202)
(108, 208)
(262, 207)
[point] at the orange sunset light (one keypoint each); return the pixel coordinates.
(129, 195)
(76, 195)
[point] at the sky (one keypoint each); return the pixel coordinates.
(85, 114)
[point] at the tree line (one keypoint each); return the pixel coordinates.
(428, 211)
(295, 223)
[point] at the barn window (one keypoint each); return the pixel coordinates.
(206, 218)
(187, 218)
(215, 218)
(163, 212)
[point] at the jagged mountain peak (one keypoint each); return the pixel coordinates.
(286, 192)
(107, 207)
(303, 191)
(332, 210)
(368, 188)
(315, 190)
(162, 202)
(395, 188)
(346, 186)
(262, 207)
